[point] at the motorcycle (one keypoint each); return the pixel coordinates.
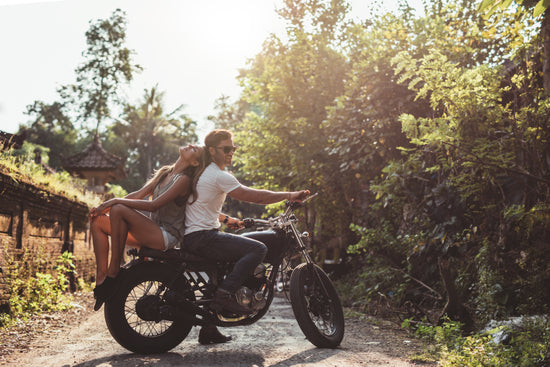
(161, 295)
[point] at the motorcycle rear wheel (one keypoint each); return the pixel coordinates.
(139, 293)
(316, 306)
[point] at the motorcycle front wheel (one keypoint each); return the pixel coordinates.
(133, 313)
(316, 306)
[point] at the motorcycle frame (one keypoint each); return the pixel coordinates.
(189, 268)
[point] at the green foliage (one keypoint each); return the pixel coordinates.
(365, 125)
(460, 180)
(33, 288)
(471, 150)
(116, 191)
(107, 64)
(528, 345)
(374, 289)
(150, 137)
(286, 90)
(51, 127)
(422, 133)
(106, 68)
(490, 6)
(20, 166)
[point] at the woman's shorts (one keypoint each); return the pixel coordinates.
(169, 241)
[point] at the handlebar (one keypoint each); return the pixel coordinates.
(253, 222)
(291, 206)
(310, 197)
(298, 204)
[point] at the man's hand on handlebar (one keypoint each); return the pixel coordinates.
(298, 196)
(234, 223)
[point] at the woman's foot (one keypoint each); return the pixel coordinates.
(103, 291)
(211, 335)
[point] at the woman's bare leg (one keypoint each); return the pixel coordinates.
(125, 221)
(100, 229)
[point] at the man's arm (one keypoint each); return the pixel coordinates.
(245, 193)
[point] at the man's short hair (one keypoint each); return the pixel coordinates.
(214, 137)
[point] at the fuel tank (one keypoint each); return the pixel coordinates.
(276, 243)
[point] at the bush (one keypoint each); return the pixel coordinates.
(31, 289)
(526, 345)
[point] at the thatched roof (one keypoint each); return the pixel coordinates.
(95, 158)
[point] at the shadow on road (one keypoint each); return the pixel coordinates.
(207, 358)
(310, 356)
(175, 359)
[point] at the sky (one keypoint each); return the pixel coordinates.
(189, 49)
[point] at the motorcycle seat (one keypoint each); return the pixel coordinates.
(172, 255)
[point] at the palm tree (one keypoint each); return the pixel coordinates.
(153, 136)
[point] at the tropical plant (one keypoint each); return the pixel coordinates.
(150, 136)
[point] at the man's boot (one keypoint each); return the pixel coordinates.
(210, 334)
(224, 300)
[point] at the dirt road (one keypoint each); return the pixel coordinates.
(276, 340)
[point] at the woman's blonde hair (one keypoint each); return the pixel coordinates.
(192, 171)
(204, 161)
(159, 175)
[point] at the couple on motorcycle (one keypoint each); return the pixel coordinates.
(186, 204)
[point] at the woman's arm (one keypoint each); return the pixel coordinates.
(181, 187)
(141, 193)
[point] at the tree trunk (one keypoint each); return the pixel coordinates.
(545, 33)
(454, 308)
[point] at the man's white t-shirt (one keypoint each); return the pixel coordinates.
(212, 188)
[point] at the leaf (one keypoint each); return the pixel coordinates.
(485, 4)
(506, 4)
(541, 7)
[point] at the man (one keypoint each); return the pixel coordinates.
(204, 217)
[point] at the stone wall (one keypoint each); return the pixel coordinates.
(44, 224)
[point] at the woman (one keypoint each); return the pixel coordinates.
(170, 188)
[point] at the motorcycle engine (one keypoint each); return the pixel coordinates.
(248, 298)
(250, 294)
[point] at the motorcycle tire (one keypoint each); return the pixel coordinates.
(139, 293)
(316, 306)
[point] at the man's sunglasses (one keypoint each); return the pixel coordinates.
(227, 149)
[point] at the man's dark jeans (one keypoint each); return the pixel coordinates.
(246, 252)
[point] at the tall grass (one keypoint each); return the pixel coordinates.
(37, 283)
(20, 166)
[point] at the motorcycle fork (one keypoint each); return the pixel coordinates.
(310, 263)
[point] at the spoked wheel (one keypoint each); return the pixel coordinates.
(316, 306)
(136, 313)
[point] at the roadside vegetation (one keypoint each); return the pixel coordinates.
(427, 135)
(511, 345)
(37, 285)
(20, 166)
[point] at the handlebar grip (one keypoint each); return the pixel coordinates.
(295, 205)
(251, 222)
(248, 222)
